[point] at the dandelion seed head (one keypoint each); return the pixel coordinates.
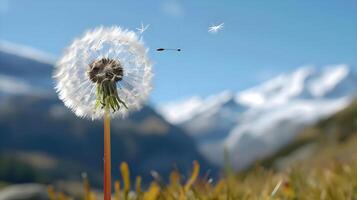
(110, 53)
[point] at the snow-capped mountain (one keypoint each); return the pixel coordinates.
(207, 119)
(180, 111)
(304, 83)
(256, 122)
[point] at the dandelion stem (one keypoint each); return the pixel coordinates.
(107, 156)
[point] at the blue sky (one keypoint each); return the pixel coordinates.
(260, 38)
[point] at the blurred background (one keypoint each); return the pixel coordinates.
(274, 87)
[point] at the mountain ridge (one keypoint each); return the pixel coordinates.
(35, 125)
(264, 118)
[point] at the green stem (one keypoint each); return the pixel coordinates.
(107, 95)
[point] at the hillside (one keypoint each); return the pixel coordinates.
(321, 165)
(326, 138)
(254, 123)
(42, 141)
(41, 133)
(24, 71)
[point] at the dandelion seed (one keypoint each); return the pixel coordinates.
(142, 28)
(215, 28)
(166, 49)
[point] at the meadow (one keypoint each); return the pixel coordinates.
(328, 172)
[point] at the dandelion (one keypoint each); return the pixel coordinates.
(105, 62)
(103, 74)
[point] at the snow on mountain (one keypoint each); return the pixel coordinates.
(205, 119)
(11, 85)
(305, 83)
(215, 117)
(334, 82)
(24, 70)
(328, 80)
(256, 122)
(180, 111)
(268, 129)
(278, 90)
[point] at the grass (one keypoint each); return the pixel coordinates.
(338, 181)
(327, 172)
(331, 174)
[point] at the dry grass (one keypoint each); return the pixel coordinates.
(331, 174)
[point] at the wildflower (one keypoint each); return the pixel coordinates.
(105, 68)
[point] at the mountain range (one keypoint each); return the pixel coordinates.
(248, 125)
(42, 141)
(24, 70)
(255, 123)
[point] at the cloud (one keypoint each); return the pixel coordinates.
(27, 52)
(173, 8)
